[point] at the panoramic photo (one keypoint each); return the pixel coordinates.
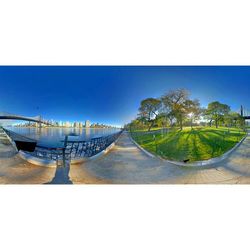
(124, 125)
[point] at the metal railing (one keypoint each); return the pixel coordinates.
(73, 149)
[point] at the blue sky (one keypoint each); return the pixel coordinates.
(112, 95)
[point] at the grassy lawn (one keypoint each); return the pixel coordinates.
(197, 144)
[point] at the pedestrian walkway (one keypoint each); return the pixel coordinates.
(14, 170)
(127, 164)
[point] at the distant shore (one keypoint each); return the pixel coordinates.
(65, 127)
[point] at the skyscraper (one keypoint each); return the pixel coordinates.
(87, 124)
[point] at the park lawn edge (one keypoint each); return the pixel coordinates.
(242, 135)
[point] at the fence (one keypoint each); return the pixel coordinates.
(71, 150)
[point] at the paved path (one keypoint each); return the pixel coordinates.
(14, 170)
(127, 164)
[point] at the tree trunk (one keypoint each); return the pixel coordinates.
(151, 125)
(216, 123)
(171, 122)
(181, 125)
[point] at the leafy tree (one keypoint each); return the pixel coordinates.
(149, 110)
(216, 111)
(135, 125)
(161, 121)
(179, 105)
(192, 108)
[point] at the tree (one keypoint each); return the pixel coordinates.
(135, 125)
(161, 121)
(179, 105)
(193, 109)
(149, 110)
(216, 111)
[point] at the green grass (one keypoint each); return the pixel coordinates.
(146, 130)
(196, 144)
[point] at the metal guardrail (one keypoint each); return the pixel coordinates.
(72, 150)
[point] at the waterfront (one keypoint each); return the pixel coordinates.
(51, 136)
(127, 164)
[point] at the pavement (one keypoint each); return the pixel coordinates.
(14, 170)
(125, 163)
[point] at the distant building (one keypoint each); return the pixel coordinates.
(68, 124)
(77, 124)
(87, 124)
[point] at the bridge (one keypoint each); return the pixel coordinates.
(8, 116)
(244, 113)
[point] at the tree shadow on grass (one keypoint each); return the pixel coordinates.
(172, 148)
(195, 149)
(191, 145)
(209, 143)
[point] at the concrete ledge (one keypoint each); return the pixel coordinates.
(37, 161)
(197, 163)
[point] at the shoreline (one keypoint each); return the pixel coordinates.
(61, 127)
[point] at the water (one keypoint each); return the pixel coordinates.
(54, 137)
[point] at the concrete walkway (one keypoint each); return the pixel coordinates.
(14, 170)
(125, 164)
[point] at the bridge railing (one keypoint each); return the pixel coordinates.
(74, 149)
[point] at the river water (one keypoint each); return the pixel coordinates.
(54, 136)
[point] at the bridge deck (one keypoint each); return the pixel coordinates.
(22, 118)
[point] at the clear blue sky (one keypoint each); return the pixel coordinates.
(112, 95)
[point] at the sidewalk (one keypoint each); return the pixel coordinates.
(14, 170)
(127, 164)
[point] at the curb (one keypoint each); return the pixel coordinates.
(197, 163)
(142, 149)
(37, 161)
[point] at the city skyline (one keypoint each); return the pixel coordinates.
(67, 124)
(111, 95)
